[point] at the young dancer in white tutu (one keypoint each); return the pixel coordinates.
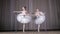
(40, 18)
(24, 17)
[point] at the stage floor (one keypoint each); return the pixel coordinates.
(42, 32)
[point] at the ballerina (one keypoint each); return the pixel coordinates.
(23, 17)
(40, 18)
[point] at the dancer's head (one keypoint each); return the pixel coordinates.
(37, 10)
(24, 8)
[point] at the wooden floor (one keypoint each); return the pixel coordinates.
(43, 32)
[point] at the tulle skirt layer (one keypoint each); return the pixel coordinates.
(23, 19)
(40, 19)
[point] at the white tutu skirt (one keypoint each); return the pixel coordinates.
(40, 19)
(23, 19)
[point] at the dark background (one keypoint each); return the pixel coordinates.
(8, 18)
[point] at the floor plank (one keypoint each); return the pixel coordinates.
(47, 32)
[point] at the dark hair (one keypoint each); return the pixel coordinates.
(25, 7)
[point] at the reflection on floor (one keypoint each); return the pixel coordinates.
(42, 32)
